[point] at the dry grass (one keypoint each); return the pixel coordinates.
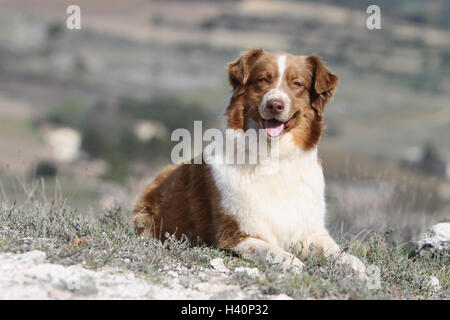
(69, 237)
(367, 194)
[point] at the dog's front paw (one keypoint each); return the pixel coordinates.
(353, 262)
(285, 260)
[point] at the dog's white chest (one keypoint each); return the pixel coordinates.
(281, 207)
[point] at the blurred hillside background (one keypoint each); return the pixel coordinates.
(86, 115)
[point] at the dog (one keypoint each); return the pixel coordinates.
(266, 217)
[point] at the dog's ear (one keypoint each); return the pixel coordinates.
(238, 73)
(239, 70)
(324, 83)
(235, 114)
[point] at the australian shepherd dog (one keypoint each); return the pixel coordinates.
(271, 216)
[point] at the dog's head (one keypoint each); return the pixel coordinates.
(284, 94)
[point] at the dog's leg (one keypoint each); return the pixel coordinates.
(322, 242)
(261, 251)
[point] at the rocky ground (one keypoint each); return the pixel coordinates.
(49, 251)
(31, 276)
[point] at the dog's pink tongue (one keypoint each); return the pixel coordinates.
(273, 127)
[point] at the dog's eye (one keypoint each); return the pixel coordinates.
(263, 80)
(297, 84)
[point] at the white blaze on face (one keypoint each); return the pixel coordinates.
(281, 69)
(276, 93)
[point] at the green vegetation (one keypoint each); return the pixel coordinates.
(108, 131)
(71, 238)
(70, 113)
(172, 111)
(46, 169)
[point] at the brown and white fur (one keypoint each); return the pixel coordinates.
(261, 216)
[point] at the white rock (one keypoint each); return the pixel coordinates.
(32, 256)
(218, 265)
(71, 278)
(252, 272)
(173, 274)
(281, 297)
(24, 279)
(433, 283)
(437, 237)
(47, 272)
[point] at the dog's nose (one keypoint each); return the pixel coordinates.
(275, 105)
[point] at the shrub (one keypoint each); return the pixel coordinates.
(70, 113)
(46, 169)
